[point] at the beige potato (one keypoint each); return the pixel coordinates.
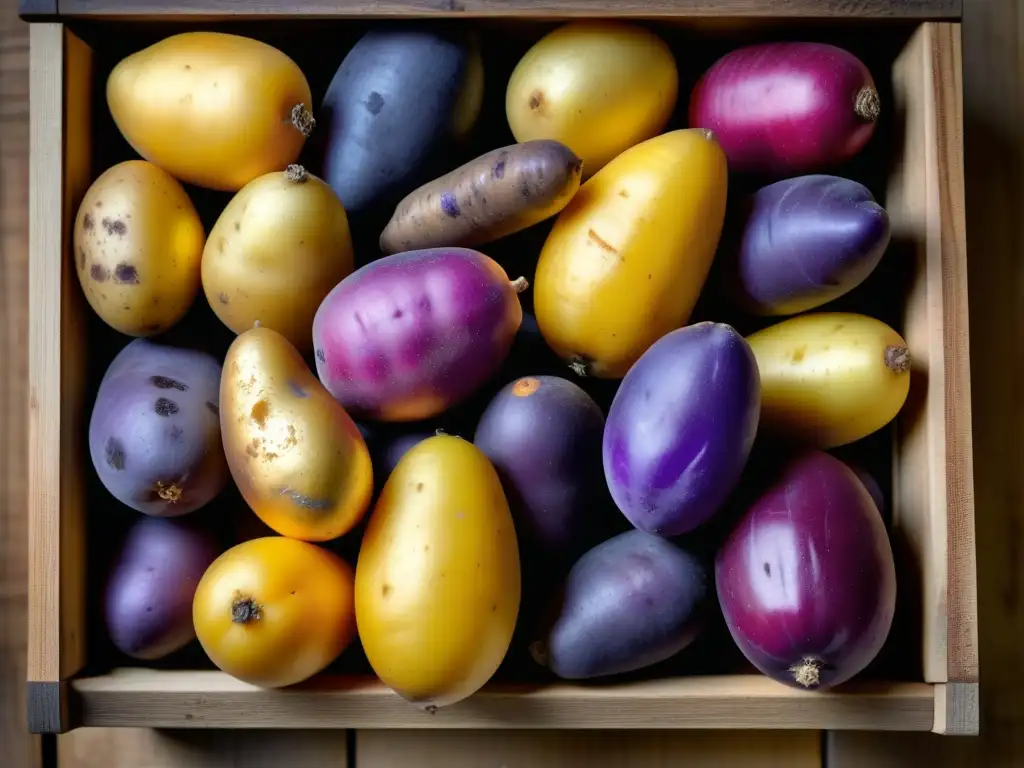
(138, 245)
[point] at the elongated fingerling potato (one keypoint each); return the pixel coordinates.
(501, 192)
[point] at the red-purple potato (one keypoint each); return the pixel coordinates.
(407, 336)
(148, 607)
(786, 108)
(806, 579)
(154, 435)
(630, 602)
(543, 436)
(681, 428)
(804, 242)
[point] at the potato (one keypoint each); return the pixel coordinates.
(501, 192)
(154, 433)
(212, 109)
(598, 87)
(148, 602)
(276, 251)
(138, 247)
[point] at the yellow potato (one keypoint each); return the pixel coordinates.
(276, 251)
(138, 248)
(830, 378)
(599, 87)
(438, 581)
(212, 109)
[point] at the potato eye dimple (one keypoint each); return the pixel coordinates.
(165, 407)
(163, 382)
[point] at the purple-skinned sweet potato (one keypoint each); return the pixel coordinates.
(630, 602)
(154, 434)
(148, 605)
(407, 336)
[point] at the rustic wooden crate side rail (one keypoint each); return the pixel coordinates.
(933, 477)
(51, 10)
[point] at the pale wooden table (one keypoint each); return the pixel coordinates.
(993, 70)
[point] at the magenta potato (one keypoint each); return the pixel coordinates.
(786, 108)
(543, 436)
(630, 602)
(804, 242)
(806, 579)
(148, 606)
(154, 434)
(681, 427)
(407, 336)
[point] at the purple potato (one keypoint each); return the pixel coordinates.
(805, 242)
(148, 607)
(630, 602)
(806, 579)
(407, 336)
(543, 435)
(399, 104)
(154, 434)
(681, 427)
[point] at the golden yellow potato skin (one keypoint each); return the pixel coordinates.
(296, 456)
(437, 581)
(212, 109)
(138, 248)
(830, 378)
(626, 260)
(599, 87)
(276, 251)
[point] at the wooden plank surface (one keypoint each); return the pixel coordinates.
(993, 77)
(934, 9)
(17, 748)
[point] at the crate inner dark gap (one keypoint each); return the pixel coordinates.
(318, 47)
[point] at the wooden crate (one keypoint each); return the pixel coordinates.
(933, 516)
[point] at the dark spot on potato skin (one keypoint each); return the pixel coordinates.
(307, 502)
(126, 273)
(450, 205)
(81, 258)
(524, 188)
(165, 407)
(238, 226)
(536, 99)
(321, 356)
(767, 570)
(498, 172)
(114, 454)
(99, 273)
(297, 389)
(163, 382)
(213, 408)
(222, 298)
(114, 227)
(397, 314)
(374, 103)
(88, 222)
(175, 434)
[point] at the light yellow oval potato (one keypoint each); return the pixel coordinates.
(138, 248)
(438, 579)
(599, 87)
(830, 378)
(276, 251)
(212, 109)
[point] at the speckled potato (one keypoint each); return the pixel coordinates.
(138, 247)
(276, 251)
(298, 459)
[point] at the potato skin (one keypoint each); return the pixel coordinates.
(498, 193)
(403, 98)
(830, 378)
(138, 248)
(276, 251)
(297, 458)
(599, 87)
(154, 433)
(438, 580)
(626, 260)
(148, 604)
(212, 109)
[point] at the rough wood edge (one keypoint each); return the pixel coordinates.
(47, 707)
(957, 709)
(863, 9)
(163, 699)
(961, 579)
